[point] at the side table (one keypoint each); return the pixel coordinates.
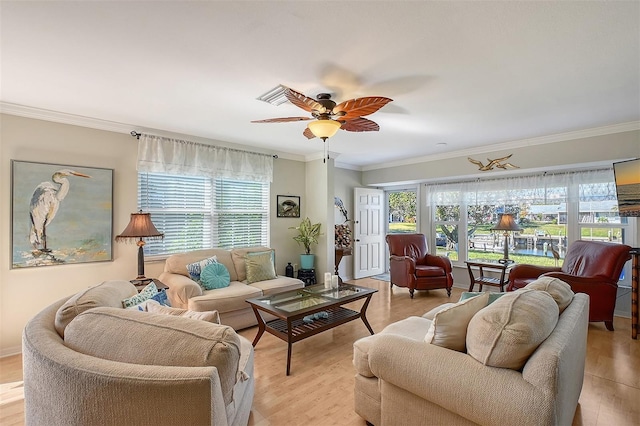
(308, 276)
(158, 283)
(481, 279)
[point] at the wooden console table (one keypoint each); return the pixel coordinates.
(340, 253)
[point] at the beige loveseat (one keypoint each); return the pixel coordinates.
(118, 366)
(401, 379)
(230, 301)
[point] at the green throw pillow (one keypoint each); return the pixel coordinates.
(259, 266)
(493, 296)
(215, 275)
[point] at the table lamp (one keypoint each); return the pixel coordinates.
(140, 227)
(506, 224)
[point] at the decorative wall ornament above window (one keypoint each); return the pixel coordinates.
(498, 162)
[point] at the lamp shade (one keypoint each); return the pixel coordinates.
(140, 226)
(324, 129)
(506, 223)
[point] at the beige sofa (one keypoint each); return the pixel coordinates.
(118, 366)
(230, 302)
(403, 380)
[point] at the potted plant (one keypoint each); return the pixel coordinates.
(308, 234)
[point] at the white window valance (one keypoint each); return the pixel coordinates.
(173, 156)
(547, 188)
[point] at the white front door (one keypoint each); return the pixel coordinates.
(368, 232)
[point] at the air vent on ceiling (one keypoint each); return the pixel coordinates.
(274, 96)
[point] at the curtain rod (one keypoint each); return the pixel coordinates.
(138, 134)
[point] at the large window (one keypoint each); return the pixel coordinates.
(196, 212)
(552, 210)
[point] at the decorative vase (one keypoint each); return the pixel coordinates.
(307, 261)
(288, 271)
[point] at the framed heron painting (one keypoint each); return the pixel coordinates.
(60, 214)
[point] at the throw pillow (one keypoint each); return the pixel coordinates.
(161, 298)
(432, 313)
(209, 316)
(215, 275)
(259, 266)
(134, 337)
(508, 331)
(109, 293)
(558, 289)
(147, 293)
(493, 295)
(449, 326)
(195, 268)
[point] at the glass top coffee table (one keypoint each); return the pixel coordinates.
(295, 312)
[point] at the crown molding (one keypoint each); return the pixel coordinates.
(541, 140)
(112, 126)
(61, 117)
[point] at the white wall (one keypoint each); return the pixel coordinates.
(319, 208)
(24, 292)
(288, 179)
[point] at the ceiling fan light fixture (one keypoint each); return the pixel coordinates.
(324, 129)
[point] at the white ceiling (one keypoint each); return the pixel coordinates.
(462, 74)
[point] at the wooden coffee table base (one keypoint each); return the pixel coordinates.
(294, 329)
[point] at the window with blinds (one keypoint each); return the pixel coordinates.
(196, 212)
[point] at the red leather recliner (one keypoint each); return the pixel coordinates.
(590, 267)
(413, 267)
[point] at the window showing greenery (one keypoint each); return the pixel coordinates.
(447, 220)
(402, 212)
(550, 209)
(196, 212)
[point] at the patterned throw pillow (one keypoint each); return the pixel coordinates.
(195, 268)
(259, 266)
(161, 297)
(215, 275)
(147, 293)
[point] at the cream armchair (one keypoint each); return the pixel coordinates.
(403, 380)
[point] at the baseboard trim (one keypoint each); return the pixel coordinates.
(11, 351)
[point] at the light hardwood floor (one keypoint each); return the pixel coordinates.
(319, 390)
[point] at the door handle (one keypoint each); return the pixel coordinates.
(357, 241)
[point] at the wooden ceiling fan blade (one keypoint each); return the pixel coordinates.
(282, 120)
(361, 106)
(360, 125)
(307, 132)
(302, 101)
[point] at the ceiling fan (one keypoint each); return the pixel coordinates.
(329, 117)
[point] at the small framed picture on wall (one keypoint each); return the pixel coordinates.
(288, 206)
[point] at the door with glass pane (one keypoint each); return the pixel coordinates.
(402, 210)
